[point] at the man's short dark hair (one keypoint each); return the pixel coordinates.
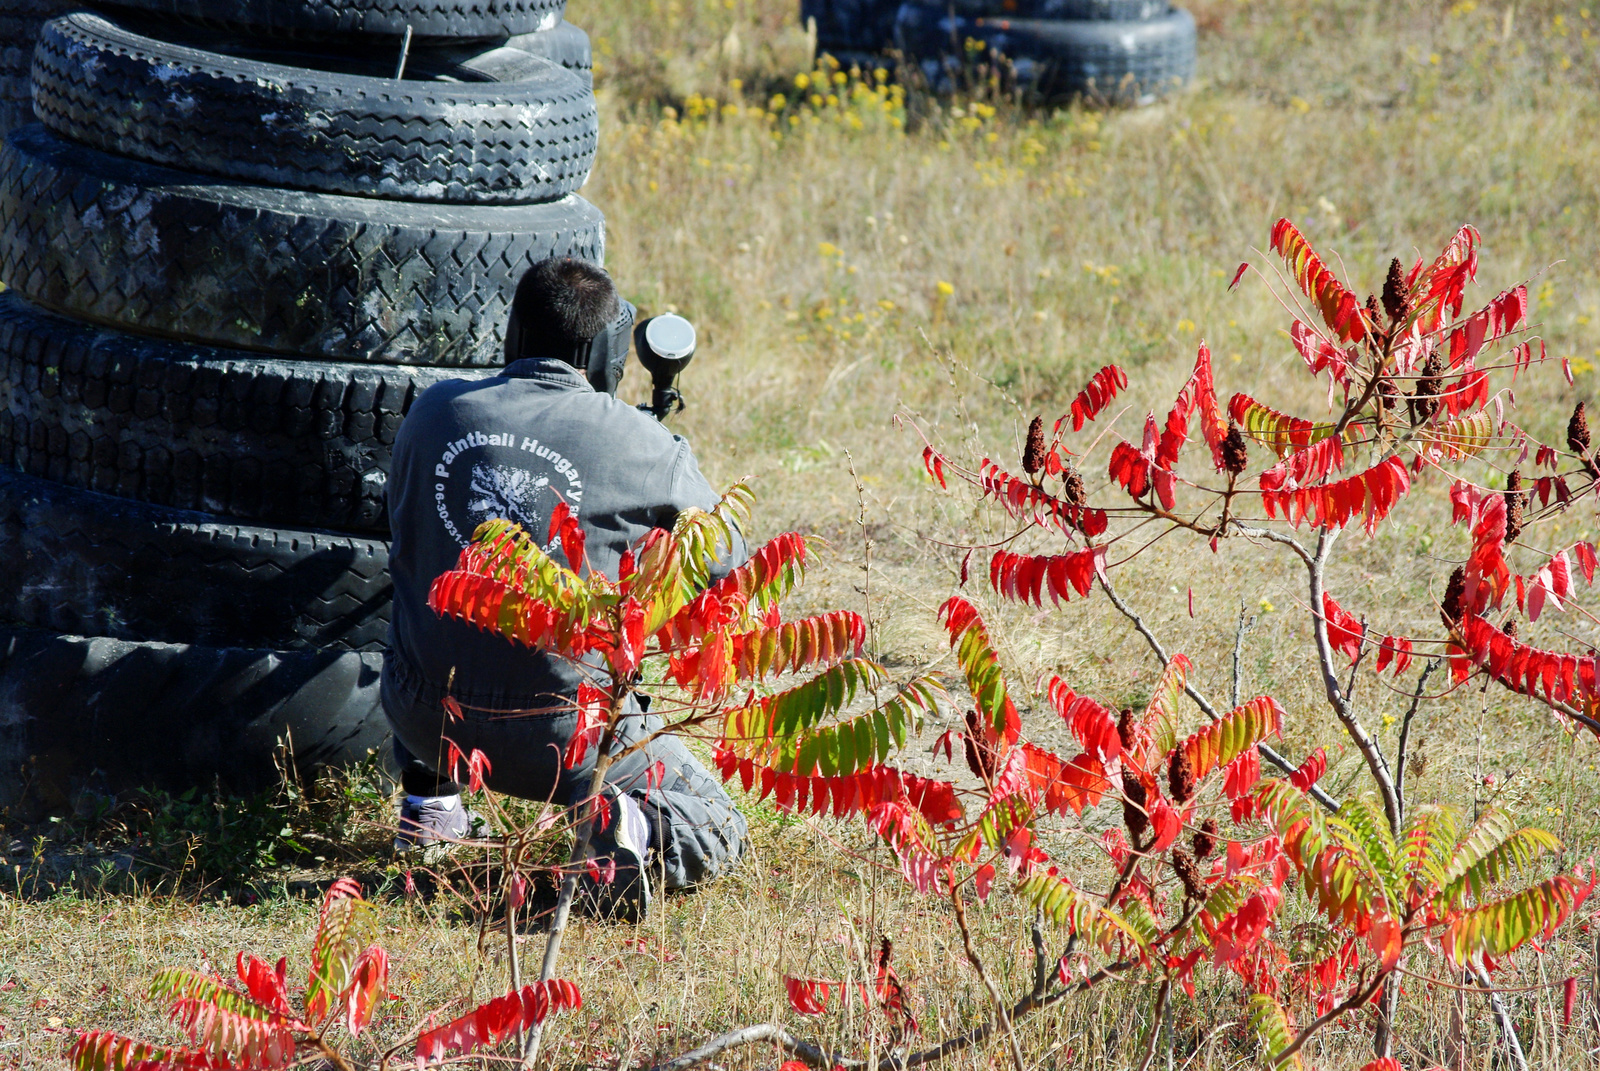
(561, 304)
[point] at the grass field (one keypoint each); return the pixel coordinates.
(850, 254)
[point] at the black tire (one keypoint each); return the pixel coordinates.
(525, 133)
(1054, 59)
(475, 19)
(310, 275)
(563, 44)
(864, 26)
(20, 21)
(1092, 10)
(303, 444)
(95, 565)
(1098, 10)
(78, 712)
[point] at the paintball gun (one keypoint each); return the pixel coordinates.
(665, 345)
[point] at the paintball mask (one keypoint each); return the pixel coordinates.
(607, 356)
(666, 346)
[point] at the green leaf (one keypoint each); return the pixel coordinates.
(980, 665)
(1503, 926)
(1272, 1026)
(1517, 852)
(1364, 827)
(1002, 817)
(783, 731)
(1059, 901)
(224, 1022)
(1429, 841)
(705, 536)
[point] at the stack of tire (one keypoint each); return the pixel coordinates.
(854, 32)
(240, 237)
(1119, 51)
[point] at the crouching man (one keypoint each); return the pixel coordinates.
(547, 429)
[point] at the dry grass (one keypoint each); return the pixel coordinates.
(810, 242)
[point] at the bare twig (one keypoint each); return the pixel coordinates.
(814, 1056)
(569, 880)
(513, 867)
(1405, 734)
(1328, 803)
(1355, 1000)
(1355, 667)
(1502, 1019)
(743, 1036)
(1154, 1034)
(1251, 532)
(1041, 958)
(1377, 764)
(1244, 629)
(1001, 1014)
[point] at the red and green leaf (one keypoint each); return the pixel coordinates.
(1456, 439)
(981, 666)
(1503, 926)
(1439, 291)
(1158, 726)
(722, 661)
(1340, 308)
(1281, 433)
(101, 1050)
(224, 1023)
(1236, 732)
(345, 929)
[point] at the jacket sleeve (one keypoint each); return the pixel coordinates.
(690, 489)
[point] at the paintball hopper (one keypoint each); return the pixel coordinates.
(665, 345)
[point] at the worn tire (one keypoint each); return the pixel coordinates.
(526, 133)
(1090, 10)
(1058, 58)
(563, 44)
(115, 715)
(308, 275)
(20, 21)
(303, 444)
(91, 564)
(477, 19)
(851, 26)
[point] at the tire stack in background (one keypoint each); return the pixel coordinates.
(857, 33)
(240, 237)
(1119, 51)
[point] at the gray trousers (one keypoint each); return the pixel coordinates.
(696, 831)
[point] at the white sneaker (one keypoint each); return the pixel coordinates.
(618, 853)
(426, 821)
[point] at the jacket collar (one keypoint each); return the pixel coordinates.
(548, 369)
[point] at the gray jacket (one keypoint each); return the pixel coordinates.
(512, 446)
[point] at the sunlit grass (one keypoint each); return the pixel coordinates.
(850, 251)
